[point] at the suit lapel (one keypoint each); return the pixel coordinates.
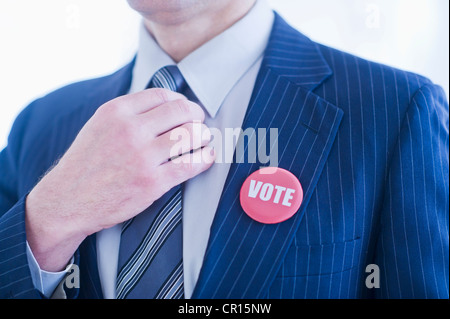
(243, 256)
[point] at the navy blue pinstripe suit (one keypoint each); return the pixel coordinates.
(369, 144)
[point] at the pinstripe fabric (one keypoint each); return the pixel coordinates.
(13, 260)
(350, 217)
(369, 144)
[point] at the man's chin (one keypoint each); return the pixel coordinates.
(155, 6)
(167, 11)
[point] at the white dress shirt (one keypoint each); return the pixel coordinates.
(222, 74)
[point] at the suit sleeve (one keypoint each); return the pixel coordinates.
(413, 245)
(15, 276)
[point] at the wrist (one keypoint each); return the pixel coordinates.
(52, 236)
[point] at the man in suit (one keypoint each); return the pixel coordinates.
(368, 143)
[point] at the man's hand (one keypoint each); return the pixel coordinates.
(116, 167)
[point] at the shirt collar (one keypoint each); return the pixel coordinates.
(212, 70)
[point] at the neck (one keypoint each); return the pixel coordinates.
(186, 31)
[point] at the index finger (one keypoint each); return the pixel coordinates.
(146, 100)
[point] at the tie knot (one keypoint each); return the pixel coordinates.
(168, 77)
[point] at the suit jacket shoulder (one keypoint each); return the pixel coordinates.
(366, 77)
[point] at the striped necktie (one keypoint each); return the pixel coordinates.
(151, 247)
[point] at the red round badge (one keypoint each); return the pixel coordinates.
(271, 195)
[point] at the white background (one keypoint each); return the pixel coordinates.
(49, 43)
